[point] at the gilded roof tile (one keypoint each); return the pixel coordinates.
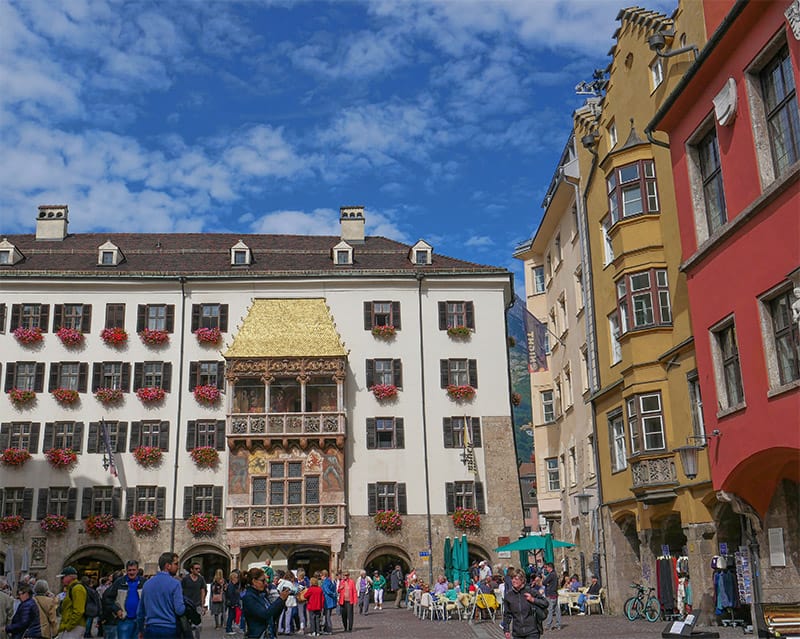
(287, 328)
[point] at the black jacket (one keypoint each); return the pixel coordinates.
(112, 602)
(523, 613)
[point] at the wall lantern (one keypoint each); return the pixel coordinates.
(689, 454)
(583, 503)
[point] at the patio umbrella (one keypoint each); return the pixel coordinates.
(534, 542)
(448, 559)
(549, 555)
(11, 571)
(464, 562)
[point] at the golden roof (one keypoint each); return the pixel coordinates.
(287, 328)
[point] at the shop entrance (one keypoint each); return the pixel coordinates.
(95, 562)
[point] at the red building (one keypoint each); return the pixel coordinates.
(733, 130)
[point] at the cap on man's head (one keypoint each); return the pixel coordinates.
(68, 570)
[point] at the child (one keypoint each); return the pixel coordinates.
(315, 600)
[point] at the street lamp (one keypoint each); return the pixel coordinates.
(583, 503)
(689, 453)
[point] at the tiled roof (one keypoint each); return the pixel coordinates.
(199, 254)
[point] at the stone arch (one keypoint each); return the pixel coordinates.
(95, 560)
(383, 558)
(478, 553)
(211, 557)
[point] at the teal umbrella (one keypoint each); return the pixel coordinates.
(448, 559)
(535, 542)
(523, 559)
(549, 555)
(461, 562)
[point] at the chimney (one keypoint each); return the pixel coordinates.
(51, 224)
(351, 219)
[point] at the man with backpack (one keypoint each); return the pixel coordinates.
(73, 606)
(94, 607)
(121, 603)
(523, 611)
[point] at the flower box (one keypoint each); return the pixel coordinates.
(150, 394)
(205, 456)
(65, 396)
(20, 397)
(208, 335)
(141, 523)
(97, 525)
(460, 332)
(28, 335)
(460, 393)
(114, 336)
(109, 395)
(15, 456)
(61, 457)
(70, 336)
(384, 331)
(54, 523)
(388, 521)
(202, 523)
(206, 394)
(148, 455)
(154, 338)
(467, 519)
(384, 391)
(11, 524)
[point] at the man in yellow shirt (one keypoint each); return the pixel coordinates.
(73, 606)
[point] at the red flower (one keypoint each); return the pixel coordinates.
(114, 336)
(384, 331)
(96, 525)
(460, 393)
(28, 335)
(467, 519)
(141, 523)
(202, 523)
(388, 521)
(61, 457)
(15, 456)
(208, 335)
(69, 336)
(65, 396)
(151, 394)
(205, 456)
(147, 455)
(206, 394)
(154, 338)
(108, 395)
(384, 391)
(10, 524)
(21, 397)
(54, 523)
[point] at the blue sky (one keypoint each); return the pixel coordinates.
(445, 119)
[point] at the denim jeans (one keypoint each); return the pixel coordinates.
(552, 607)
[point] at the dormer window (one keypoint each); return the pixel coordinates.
(240, 254)
(343, 254)
(108, 254)
(5, 257)
(9, 254)
(421, 254)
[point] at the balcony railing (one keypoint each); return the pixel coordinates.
(654, 478)
(286, 516)
(283, 424)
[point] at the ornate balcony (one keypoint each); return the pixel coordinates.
(654, 478)
(273, 428)
(301, 516)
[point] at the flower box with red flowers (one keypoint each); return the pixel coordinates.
(384, 391)
(208, 335)
(97, 525)
(467, 519)
(21, 397)
(11, 524)
(61, 457)
(205, 456)
(148, 455)
(461, 332)
(206, 394)
(114, 336)
(460, 393)
(65, 396)
(154, 338)
(202, 523)
(384, 331)
(54, 523)
(69, 336)
(15, 456)
(109, 395)
(142, 523)
(388, 521)
(151, 394)
(28, 335)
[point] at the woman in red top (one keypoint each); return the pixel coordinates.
(347, 598)
(315, 600)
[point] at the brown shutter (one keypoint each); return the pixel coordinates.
(96, 369)
(367, 316)
(220, 439)
(163, 436)
(216, 501)
(44, 315)
(193, 368)
(136, 436)
(93, 443)
(221, 375)
(480, 501)
(126, 377)
(5, 435)
(470, 312)
(72, 503)
(399, 433)
(86, 319)
(161, 502)
(397, 372)
(141, 317)
(77, 437)
(166, 376)
(11, 373)
(444, 373)
(39, 379)
(476, 432)
(138, 376)
(372, 438)
(188, 501)
(473, 373)
(83, 376)
(122, 435)
(447, 429)
(223, 318)
(396, 315)
(58, 316)
(86, 502)
(191, 434)
(170, 323)
(35, 428)
(370, 373)
(52, 384)
(372, 499)
(442, 316)
(402, 506)
(450, 497)
(195, 317)
(16, 314)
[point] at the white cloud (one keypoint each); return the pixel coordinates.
(479, 241)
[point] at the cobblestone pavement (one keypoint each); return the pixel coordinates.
(391, 622)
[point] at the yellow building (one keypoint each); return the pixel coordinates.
(648, 402)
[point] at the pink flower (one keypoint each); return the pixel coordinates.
(206, 394)
(383, 391)
(54, 523)
(151, 394)
(96, 525)
(467, 519)
(69, 336)
(154, 338)
(460, 393)
(384, 331)
(15, 456)
(114, 336)
(202, 523)
(147, 455)
(142, 523)
(28, 335)
(65, 396)
(61, 457)
(11, 524)
(205, 456)
(208, 335)
(109, 395)
(388, 521)
(20, 397)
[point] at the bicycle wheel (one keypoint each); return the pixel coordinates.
(652, 610)
(633, 608)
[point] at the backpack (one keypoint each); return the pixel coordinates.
(541, 613)
(94, 605)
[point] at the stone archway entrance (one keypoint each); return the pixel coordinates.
(310, 559)
(95, 561)
(210, 557)
(384, 559)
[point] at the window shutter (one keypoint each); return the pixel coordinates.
(44, 317)
(402, 506)
(476, 432)
(367, 316)
(141, 317)
(444, 371)
(138, 374)
(96, 368)
(72, 503)
(41, 506)
(116, 502)
(370, 373)
(38, 382)
(77, 437)
(193, 367)
(86, 502)
(136, 436)
(188, 501)
(83, 376)
(191, 434)
(469, 308)
(447, 428)
(216, 501)
(372, 439)
(473, 373)
(58, 316)
(372, 499)
(396, 315)
(163, 437)
(170, 319)
(52, 384)
(11, 373)
(399, 433)
(166, 376)
(223, 318)
(35, 428)
(86, 318)
(27, 503)
(450, 497)
(161, 502)
(397, 372)
(130, 501)
(126, 377)
(2, 318)
(93, 444)
(221, 375)
(442, 316)
(48, 436)
(5, 436)
(220, 443)
(16, 313)
(480, 502)
(195, 317)
(122, 435)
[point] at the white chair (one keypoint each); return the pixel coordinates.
(415, 598)
(595, 600)
(426, 606)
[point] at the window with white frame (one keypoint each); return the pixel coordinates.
(573, 467)
(643, 300)
(146, 501)
(656, 73)
(579, 290)
(65, 435)
(538, 279)
(14, 502)
(102, 501)
(645, 422)
(25, 375)
(72, 316)
(553, 475)
(616, 433)
(567, 374)
(557, 249)
(464, 494)
(632, 190)
(614, 333)
(458, 430)
(562, 313)
(386, 496)
(608, 248)
(548, 406)
(612, 135)
(696, 404)
(780, 107)
(23, 435)
(58, 500)
(285, 483)
(725, 352)
(781, 337)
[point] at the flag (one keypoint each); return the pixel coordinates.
(469, 450)
(112, 468)
(536, 332)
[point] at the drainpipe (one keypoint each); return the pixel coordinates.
(175, 469)
(649, 134)
(420, 277)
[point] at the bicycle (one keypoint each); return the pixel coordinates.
(643, 604)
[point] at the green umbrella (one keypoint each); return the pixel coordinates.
(448, 559)
(535, 542)
(549, 555)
